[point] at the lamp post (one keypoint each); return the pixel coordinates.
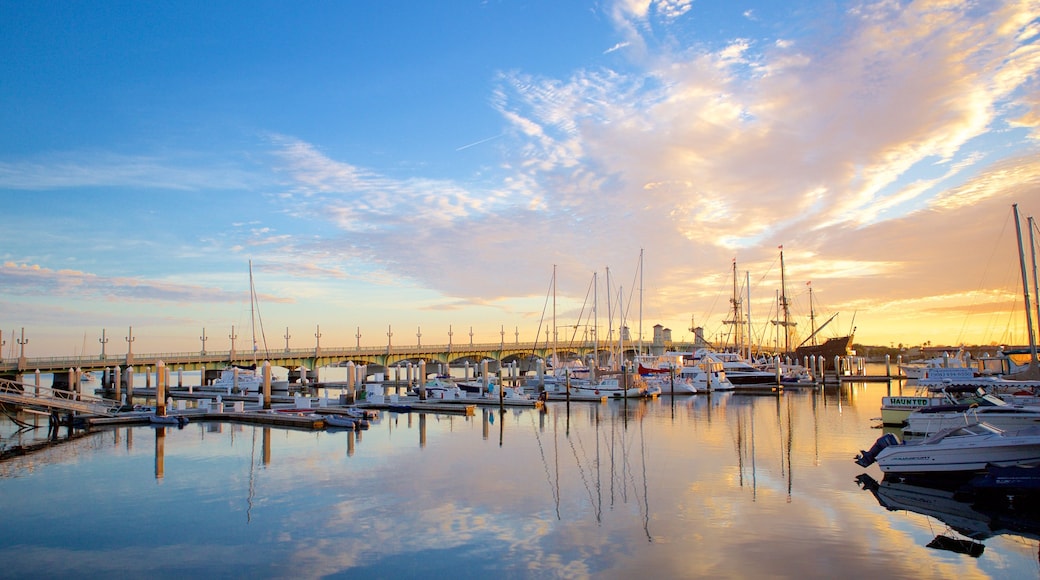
(130, 346)
(287, 337)
(103, 340)
(203, 339)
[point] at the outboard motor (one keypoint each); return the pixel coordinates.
(866, 458)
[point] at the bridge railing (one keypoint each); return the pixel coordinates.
(41, 396)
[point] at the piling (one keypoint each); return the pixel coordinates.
(351, 382)
(267, 383)
(37, 382)
(160, 389)
(117, 380)
(888, 365)
(130, 385)
(422, 379)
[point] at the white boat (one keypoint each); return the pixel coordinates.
(918, 369)
(344, 422)
(179, 420)
(691, 375)
(611, 387)
(964, 449)
(966, 377)
(985, 407)
(438, 388)
(740, 372)
(895, 409)
(237, 379)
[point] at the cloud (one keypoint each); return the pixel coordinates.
(179, 172)
(34, 280)
(698, 152)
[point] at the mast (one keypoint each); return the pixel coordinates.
(621, 331)
(595, 318)
(640, 302)
(1025, 292)
(784, 303)
(252, 309)
(747, 291)
(555, 356)
(737, 320)
(1036, 282)
(812, 314)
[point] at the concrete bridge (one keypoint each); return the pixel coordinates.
(524, 353)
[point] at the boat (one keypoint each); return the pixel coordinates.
(683, 373)
(341, 421)
(982, 407)
(966, 377)
(438, 388)
(611, 387)
(895, 409)
(918, 369)
(237, 379)
(178, 420)
(739, 372)
(356, 413)
(966, 449)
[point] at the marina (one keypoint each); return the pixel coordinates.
(601, 488)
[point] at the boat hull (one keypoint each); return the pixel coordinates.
(974, 456)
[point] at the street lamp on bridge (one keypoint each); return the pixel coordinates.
(103, 340)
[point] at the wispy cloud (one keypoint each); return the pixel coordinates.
(80, 169)
(34, 280)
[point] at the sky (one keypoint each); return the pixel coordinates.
(415, 169)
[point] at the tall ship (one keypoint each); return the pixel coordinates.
(840, 346)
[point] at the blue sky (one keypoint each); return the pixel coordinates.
(420, 166)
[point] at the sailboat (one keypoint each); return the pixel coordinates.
(248, 378)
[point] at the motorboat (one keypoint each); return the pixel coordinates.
(244, 379)
(178, 420)
(985, 407)
(341, 421)
(967, 448)
(611, 387)
(967, 377)
(919, 369)
(740, 372)
(440, 389)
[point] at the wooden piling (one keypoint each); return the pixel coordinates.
(160, 389)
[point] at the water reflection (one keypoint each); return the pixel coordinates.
(971, 514)
(720, 486)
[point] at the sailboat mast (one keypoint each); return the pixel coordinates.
(737, 320)
(747, 291)
(1025, 291)
(595, 318)
(812, 314)
(252, 309)
(640, 302)
(555, 359)
(1036, 282)
(785, 304)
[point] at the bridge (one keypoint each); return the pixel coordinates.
(523, 353)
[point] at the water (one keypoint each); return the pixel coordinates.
(721, 486)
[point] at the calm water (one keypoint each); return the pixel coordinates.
(721, 486)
